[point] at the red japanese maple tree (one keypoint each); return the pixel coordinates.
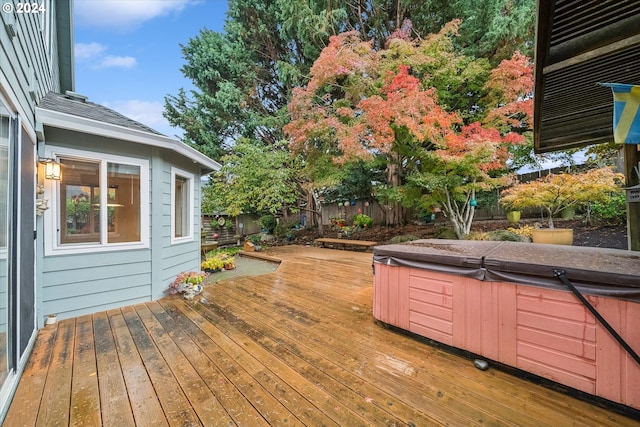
(366, 103)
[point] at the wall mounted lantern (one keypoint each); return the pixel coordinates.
(51, 169)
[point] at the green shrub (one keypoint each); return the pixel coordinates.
(446, 233)
(285, 229)
(498, 236)
(403, 238)
(362, 221)
(611, 212)
(268, 222)
(503, 236)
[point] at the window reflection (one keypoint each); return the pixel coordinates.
(79, 193)
(123, 204)
(181, 213)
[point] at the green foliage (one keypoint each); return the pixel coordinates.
(553, 193)
(497, 235)
(412, 104)
(523, 156)
(254, 178)
(446, 233)
(228, 251)
(403, 238)
(268, 222)
(219, 261)
(184, 280)
(602, 155)
(611, 211)
(244, 77)
(362, 221)
(356, 181)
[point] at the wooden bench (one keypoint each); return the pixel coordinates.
(366, 244)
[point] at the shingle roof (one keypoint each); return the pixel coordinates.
(77, 105)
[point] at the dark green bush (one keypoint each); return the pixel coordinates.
(612, 212)
(268, 222)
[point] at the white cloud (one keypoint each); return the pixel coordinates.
(88, 51)
(117, 62)
(93, 54)
(124, 15)
(146, 112)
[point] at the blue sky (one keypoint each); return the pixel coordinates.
(128, 55)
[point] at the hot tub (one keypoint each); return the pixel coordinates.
(502, 301)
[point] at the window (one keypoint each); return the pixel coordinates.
(182, 210)
(101, 203)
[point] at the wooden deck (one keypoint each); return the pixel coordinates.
(294, 347)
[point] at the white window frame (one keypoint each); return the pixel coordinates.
(191, 197)
(52, 215)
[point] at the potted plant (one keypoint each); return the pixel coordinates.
(187, 283)
(513, 216)
(362, 221)
(218, 262)
(553, 193)
(51, 319)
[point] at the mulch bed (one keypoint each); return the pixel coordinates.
(614, 237)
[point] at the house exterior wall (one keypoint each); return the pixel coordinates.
(176, 257)
(81, 283)
(30, 67)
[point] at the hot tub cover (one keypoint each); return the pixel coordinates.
(595, 271)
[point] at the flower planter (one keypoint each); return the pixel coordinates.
(513, 217)
(553, 236)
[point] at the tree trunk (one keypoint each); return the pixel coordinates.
(395, 210)
(317, 212)
(312, 221)
(461, 217)
(550, 218)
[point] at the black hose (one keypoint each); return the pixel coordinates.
(562, 275)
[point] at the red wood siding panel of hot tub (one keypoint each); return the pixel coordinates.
(544, 331)
(431, 305)
(556, 337)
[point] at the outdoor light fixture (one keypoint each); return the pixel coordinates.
(51, 169)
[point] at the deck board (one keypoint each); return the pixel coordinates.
(54, 407)
(115, 406)
(295, 347)
(85, 395)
